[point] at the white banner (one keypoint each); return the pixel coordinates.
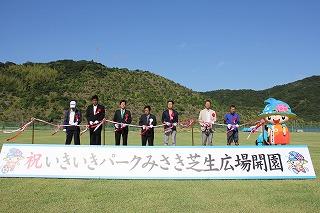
(109, 162)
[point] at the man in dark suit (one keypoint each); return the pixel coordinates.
(170, 119)
(122, 116)
(72, 119)
(95, 114)
(148, 121)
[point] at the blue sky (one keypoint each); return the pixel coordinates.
(203, 44)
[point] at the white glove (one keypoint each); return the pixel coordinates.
(90, 122)
(75, 123)
(237, 125)
(151, 126)
(229, 126)
(168, 123)
(64, 130)
(124, 125)
(116, 126)
(96, 122)
(144, 127)
(175, 124)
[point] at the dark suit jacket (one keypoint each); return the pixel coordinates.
(143, 121)
(77, 118)
(99, 116)
(166, 118)
(127, 119)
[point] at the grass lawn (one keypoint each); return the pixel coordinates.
(59, 195)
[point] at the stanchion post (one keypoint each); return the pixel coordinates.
(104, 134)
(32, 141)
(192, 135)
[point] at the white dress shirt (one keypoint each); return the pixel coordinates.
(95, 109)
(72, 117)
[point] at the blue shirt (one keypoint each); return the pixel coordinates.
(232, 119)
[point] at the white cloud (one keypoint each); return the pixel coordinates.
(182, 45)
(220, 64)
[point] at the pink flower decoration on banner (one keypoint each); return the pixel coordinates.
(282, 108)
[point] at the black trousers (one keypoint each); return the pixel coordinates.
(233, 136)
(95, 137)
(124, 134)
(75, 131)
(147, 139)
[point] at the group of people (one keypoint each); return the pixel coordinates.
(122, 118)
(208, 118)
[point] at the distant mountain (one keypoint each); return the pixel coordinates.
(303, 96)
(44, 90)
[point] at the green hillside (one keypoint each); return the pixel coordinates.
(302, 96)
(43, 90)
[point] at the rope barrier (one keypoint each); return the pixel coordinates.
(118, 126)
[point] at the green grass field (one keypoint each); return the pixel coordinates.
(59, 195)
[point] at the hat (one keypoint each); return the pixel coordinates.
(73, 104)
(295, 156)
(276, 107)
(14, 153)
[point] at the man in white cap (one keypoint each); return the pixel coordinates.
(72, 119)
